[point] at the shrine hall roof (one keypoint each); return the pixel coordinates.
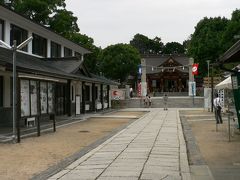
(154, 63)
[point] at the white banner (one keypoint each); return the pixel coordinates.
(192, 88)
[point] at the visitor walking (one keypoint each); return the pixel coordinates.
(165, 100)
(217, 109)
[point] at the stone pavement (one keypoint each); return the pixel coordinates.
(152, 147)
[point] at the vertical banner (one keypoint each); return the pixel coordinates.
(236, 94)
(139, 89)
(25, 101)
(43, 97)
(50, 98)
(33, 95)
(139, 70)
(78, 104)
(195, 69)
(192, 88)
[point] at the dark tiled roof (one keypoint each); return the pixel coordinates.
(60, 67)
(158, 60)
(104, 80)
(28, 63)
(68, 66)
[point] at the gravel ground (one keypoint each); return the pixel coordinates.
(214, 147)
(35, 154)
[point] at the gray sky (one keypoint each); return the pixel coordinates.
(117, 21)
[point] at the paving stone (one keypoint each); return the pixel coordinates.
(159, 176)
(117, 178)
(91, 167)
(159, 168)
(121, 173)
(153, 145)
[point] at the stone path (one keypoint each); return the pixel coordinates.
(152, 147)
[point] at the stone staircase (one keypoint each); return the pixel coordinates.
(157, 102)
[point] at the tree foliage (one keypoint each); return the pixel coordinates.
(119, 61)
(53, 14)
(50, 13)
(91, 60)
(39, 11)
(64, 23)
(146, 45)
(232, 29)
(212, 37)
(206, 42)
(173, 48)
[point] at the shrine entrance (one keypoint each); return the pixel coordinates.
(168, 82)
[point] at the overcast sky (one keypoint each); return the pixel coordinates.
(117, 21)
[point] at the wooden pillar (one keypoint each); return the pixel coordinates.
(83, 97)
(93, 97)
(68, 96)
(101, 96)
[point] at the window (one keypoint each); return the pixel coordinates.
(19, 35)
(1, 29)
(67, 52)
(39, 45)
(1, 91)
(55, 50)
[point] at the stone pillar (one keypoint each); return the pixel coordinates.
(143, 78)
(191, 76)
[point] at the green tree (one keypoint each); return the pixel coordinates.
(146, 45)
(233, 29)
(64, 23)
(92, 59)
(39, 11)
(119, 61)
(206, 42)
(173, 48)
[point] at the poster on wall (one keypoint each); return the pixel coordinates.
(25, 109)
(43, 97)
(117, 94)
(78, 98)
(33, 95)
(50, 98)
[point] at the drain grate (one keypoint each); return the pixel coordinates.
(84, 131)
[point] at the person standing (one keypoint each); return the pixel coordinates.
(149, 101)
(131, 92)
(217, 109)
(146, 101)
(165, 99)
